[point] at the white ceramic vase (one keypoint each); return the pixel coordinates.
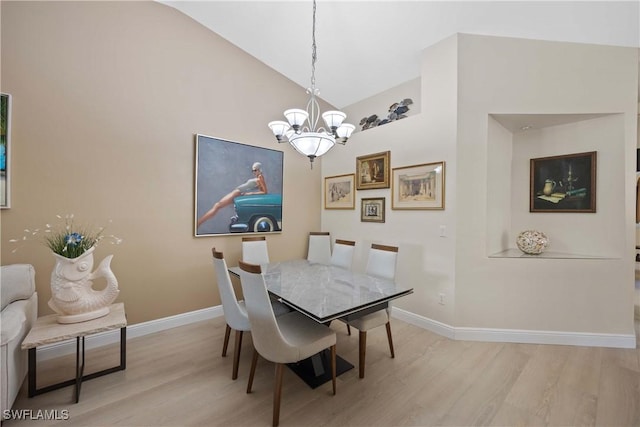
(72, 295)
(532, 242)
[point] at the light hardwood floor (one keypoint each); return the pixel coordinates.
(178, 378)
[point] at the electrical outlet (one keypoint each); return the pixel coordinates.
(441, 298)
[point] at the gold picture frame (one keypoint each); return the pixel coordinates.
(372, 209)
(419, 187)
(339, 192)
(372, 171)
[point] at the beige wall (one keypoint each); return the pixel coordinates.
(107, 97)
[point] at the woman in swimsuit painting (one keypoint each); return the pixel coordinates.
(255, 185)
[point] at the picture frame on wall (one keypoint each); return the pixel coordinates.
(419, 187)
(339, 192)
(5, 151)
(238, 188)
(372, 209)
(565, 183)
(372, 171)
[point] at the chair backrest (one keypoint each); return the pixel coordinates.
(234, 315)
(265, 333)
(254, 250)
(382, 261)
(342, 255)
(319, 247)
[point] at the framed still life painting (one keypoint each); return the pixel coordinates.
(339, 192)
(565, 183)
(238, 188)
(419, 186)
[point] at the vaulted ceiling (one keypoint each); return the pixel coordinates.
(366, 47)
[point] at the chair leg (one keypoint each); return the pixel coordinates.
(254, 362)
(277, 393)
(363, 348)
(348, 329)
(333, 368)
(236, 354)
(227, 332)
(390, 339)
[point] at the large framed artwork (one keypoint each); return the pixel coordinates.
(238, 188)
(372, 171)
(339, 192)
(5, 150)
(565, 183)
(419, 186)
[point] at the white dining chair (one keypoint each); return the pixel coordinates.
(255, 250)
(319, 247)
(235, 313)
(342, 255)
(289, 338)
(381, 263)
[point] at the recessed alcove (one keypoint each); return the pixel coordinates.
(514, 139)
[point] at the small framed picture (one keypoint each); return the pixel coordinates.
(418, 187)
(372, 171)
(339, 192)
(372, 209)
(564, 183)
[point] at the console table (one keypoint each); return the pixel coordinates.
(47, 330)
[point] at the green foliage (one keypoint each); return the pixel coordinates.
(67, 240)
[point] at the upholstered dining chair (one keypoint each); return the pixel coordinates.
(255, 250)
(381, 263)
(342, 255)
(319, 247)
(235, 313)
(289, 338)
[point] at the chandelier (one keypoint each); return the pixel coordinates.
(311, 140)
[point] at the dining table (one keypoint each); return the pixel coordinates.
(325, 293)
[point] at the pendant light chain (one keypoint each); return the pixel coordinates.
(314, 53)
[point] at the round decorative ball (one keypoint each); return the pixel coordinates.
(532, 242)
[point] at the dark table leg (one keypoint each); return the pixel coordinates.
(80, 362)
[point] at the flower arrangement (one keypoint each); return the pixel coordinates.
(68, 240)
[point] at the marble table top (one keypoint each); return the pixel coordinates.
(47, 330)
(326, 292)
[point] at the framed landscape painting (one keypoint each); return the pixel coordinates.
(419, 186)
(238, 188)
(5, 150)
(565, 183)
(372, 171)
(339, 192)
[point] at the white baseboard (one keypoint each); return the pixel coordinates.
(139, 329)
(468, 334)
(518, 336)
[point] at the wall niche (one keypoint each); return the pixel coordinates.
(515, 139)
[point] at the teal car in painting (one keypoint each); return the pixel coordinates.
(257, 213)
